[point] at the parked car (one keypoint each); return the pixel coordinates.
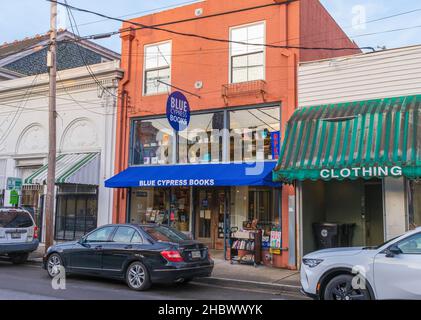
(389, 271)
(18, 234)
(139, 254)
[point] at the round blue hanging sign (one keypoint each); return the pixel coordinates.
(178, 111)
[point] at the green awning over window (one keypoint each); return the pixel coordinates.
(77, 168)
(364, 139)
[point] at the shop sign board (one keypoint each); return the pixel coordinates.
(14, 183)
(178, 183)
(178, 111)
(361, 172)
(275, 239)
(14, 198)
(275, 144)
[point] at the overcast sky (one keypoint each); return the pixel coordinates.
(25, 18)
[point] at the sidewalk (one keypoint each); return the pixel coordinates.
(36, 256)
(227, 274)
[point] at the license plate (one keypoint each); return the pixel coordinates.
(196, 254)
(15, 235)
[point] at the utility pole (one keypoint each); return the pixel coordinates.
(51, 177)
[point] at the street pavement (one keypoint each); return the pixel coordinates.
(31, 282)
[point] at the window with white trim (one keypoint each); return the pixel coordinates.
(247, 60)
(157, 71)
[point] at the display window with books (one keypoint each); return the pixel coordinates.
(152, 141)
(165, 206)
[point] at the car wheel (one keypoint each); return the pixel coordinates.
(19, 258)
(137, 277)
(340, 288)
(54, 264)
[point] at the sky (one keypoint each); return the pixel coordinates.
(354, 16)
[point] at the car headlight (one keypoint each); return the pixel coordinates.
(312, 263)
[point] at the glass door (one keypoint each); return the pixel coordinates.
(204, 208)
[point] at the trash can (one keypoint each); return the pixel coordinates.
(346, 234)
(326, 234)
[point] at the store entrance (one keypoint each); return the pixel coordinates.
(341, 214)
(373, 215)
(209, 211)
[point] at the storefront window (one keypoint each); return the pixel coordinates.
(152, 142)
(201, 142)
(149, 205)
(152, 205)
(76, 212)
(253, 134)
(261, 204)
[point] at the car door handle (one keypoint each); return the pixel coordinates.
(98, 247)
(128, 247)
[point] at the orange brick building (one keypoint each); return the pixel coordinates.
(229, 85)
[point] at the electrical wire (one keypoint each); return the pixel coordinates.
(80, 105)
(88, 68)
(142, 12)
(185, 34)
(252, 8)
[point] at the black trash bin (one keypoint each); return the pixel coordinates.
(327, 235)
(346, 234)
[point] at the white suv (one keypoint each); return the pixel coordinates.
(389, 271)
(18, 234)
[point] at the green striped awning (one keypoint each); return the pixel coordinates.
(364, 139)
(76, 168)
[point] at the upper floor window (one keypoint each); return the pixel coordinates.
(247, 59)
(157, 69)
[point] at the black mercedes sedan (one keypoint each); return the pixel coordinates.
(139, 254)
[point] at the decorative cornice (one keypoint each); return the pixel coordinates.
(107, 73)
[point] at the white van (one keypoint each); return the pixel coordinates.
(18, 234)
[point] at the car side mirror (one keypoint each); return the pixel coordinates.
(393, 251)
(82, 240)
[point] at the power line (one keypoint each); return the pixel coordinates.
(252, 8)
(80, 105)
(88, 68)
(193, 35)
(221, 50)
(43, 96)
(141, 12)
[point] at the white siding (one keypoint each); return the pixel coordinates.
(383, 74)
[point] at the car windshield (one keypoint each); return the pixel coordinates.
(160, 233)
(15, 219)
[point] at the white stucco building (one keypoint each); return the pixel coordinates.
(86, 116)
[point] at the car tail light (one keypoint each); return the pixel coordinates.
(35, 232)
(172, 256)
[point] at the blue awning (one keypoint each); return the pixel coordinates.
(199, 175)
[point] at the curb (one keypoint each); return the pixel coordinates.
(246, 284)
